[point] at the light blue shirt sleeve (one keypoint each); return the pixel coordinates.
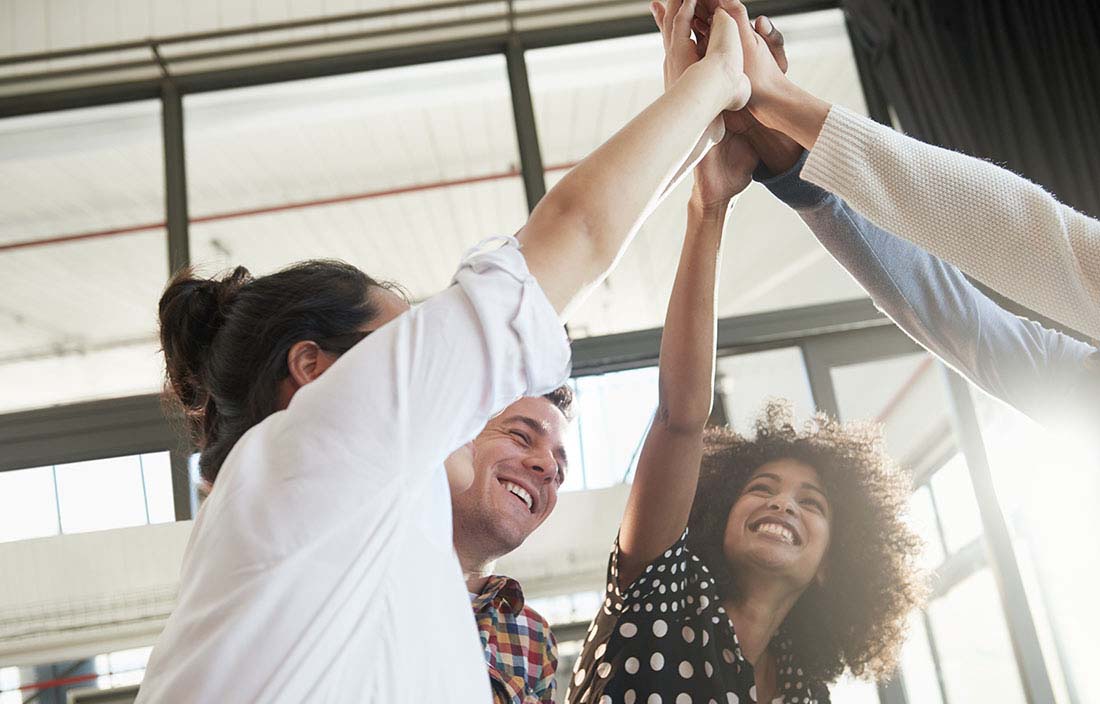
(1048, 375)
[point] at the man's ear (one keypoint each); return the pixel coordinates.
(305, 361)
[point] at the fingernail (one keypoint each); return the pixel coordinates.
(768, 27)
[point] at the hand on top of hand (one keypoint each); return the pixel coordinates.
(727, 169)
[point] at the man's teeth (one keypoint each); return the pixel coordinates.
(777, 530)
(520, 492)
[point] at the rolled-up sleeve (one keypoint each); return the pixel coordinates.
(428, 381)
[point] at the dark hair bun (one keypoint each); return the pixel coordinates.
(191, 312)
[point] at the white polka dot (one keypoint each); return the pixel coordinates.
(708, 668)
(660, 568)
(752, 692)
(664, 607)
(674, 605)
(578, 678)
(688, 634)
(631, 665)
(630, 697)
(668, 553)
(704, 602)
(661, 589)
(637, 607)
(629, 630)
(686, 670)
(672, 586)
(660, 628)
(732, 698)
(648, 568)
(683, 699)
(654, 699)
(649, 607)
(673, 570)
(604, 669)
(691, 599)
(727, 655)
(637, 593)
(706, 637)
(600, 651)
(607, 601)
(605, 699)
(679, 551)
(657, 661)
(703, 585)
(714, 620)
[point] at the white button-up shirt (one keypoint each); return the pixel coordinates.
(321, 567)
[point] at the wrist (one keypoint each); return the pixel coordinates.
(725, 85)
(792, 111)
(708, 210)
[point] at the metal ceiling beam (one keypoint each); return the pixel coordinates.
(348, 62)
(527, 135)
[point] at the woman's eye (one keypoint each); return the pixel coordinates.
(760, 487)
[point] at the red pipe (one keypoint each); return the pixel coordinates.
(60, 239)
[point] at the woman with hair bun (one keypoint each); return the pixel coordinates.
(321, 566)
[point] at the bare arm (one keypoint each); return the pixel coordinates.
(668, 468)
(580, 229)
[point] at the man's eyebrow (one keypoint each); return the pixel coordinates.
(559, 451)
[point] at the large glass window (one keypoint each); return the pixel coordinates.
(83, 255)
(86, 496)
(396, 171)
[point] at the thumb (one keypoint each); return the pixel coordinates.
(774, 39)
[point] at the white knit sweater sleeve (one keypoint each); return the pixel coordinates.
(1003, 230)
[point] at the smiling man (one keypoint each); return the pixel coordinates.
(519, 463)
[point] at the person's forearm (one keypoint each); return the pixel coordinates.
(686, 369)
(1011, 358)
(583, 224)
(793, 111)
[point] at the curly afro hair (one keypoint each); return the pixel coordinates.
(856, 619)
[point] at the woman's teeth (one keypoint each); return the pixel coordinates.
(782, 532)
(520, 492)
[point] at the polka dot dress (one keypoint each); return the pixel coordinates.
(666, 639)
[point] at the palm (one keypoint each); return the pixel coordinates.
(726, 170)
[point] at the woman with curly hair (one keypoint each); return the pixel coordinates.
(746, 569)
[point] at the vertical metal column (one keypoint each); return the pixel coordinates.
(1002, 558)
(175, 177)
(534, 183)
(179, 256)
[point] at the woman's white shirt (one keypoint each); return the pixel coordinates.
(321, 567)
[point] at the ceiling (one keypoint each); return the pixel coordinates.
(397, 171)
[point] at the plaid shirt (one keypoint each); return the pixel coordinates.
(520, 650)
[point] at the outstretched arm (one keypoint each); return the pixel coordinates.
(668, 469)
(1043, 373)
(1001, 229)
(579, 230)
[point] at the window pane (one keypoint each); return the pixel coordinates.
(958, 508)
(156, 469)
(83, 254)
(748, 381)
(1049, 488)
(905, 394)
(396, 171)
(975, 650)
(614, 411)
(583, 93)
(922, 518)
(28, 505)
(101, 494)
(918, 666)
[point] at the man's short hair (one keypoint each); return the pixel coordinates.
(562, 398)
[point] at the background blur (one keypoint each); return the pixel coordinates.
(139, 136)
